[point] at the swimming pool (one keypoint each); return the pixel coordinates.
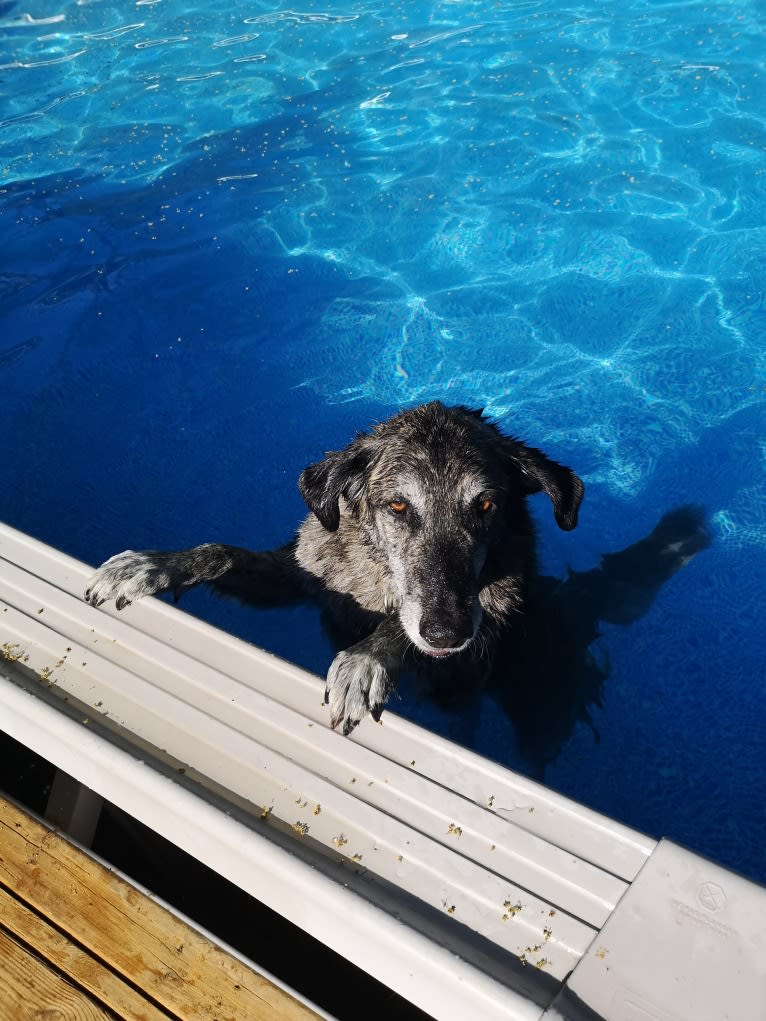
(233, 235)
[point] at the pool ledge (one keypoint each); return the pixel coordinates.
(466, 888)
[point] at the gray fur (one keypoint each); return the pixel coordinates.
(419, 544)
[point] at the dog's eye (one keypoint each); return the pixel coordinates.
(485, 505)
(398, 506)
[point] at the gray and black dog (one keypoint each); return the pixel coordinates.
(420, 545)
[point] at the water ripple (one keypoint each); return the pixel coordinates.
(300, 18)
(148, 43)
(113, 33)
(51, 61)
(530, 202)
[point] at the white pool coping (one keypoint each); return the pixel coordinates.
(466, 888)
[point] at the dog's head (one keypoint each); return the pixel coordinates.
(437, 494)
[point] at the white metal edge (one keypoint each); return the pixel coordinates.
(576, 886)
(413, 860)
(425, 973)
(555, 818)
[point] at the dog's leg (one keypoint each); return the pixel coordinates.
(624, 585)
(361, 678)
(266, 579)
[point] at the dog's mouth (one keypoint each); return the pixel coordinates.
(435, 653)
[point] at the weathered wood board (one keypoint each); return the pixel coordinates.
(78, 941)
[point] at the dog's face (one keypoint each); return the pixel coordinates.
(436, 495)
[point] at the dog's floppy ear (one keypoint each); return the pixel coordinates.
(341, 473)
(542, 473)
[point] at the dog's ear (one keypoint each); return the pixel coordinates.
(542, 473)
(341, 473)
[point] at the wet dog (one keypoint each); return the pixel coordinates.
(419, 545)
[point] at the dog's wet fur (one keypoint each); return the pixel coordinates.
(421, 549)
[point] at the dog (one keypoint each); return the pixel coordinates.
(419, 545)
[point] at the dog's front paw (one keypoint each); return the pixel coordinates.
(357, 684)
(128, 576)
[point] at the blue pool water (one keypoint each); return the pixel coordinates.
(234, 234)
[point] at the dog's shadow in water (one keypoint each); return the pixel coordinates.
(547, 676)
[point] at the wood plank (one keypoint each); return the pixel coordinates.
(29, 990)
(83, 970)
(184, 972)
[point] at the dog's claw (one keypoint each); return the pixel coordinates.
(357, 684)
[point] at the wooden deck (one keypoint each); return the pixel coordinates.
(79, 943)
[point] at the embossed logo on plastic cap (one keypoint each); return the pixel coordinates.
(711, 897)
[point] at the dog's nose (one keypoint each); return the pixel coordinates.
(444, 636)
